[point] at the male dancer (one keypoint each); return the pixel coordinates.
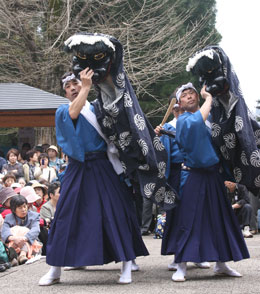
(173, 175)
(95, 221)
(205, 227)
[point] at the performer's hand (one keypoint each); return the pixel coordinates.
(157, 130)
(80, 100)
(86, 77)
(204, 94)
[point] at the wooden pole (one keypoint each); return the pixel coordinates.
(168, 112)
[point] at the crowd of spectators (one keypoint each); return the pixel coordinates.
(29, 192)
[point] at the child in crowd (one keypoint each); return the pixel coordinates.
(21, 181)
(9, 179)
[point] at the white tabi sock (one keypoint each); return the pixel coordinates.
(221, 268)
(134, 267)
(203, 265)
(52, 276)
(71, 268)
(180, 275)
(172, 266)
(126, 275)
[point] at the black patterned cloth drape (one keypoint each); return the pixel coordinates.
(235, 131)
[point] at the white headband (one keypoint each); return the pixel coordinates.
(184, 87)
(67, 79)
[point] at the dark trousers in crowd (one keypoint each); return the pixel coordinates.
(43, 237)
(147, 215)
(244, 215)
(255, 203)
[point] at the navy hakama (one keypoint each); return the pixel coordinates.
(205, 226)
(95, 221)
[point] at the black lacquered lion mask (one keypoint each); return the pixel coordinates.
(207, 65)
(93, 51)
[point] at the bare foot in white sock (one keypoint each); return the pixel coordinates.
(221, 268)
(126, 275)
(180, 275)
(52, 277)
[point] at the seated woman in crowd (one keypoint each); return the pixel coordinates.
(9, 179)
(5, 197)
(12, 164)
(40, 190)
(21, 229)
(44, 171)
(48, 209)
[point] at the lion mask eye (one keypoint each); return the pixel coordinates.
(99, 56)
(81, 56)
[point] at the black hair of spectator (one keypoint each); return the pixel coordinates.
(44, 182)
(26, 145)
(52, 188)
(42, 156)
(45, 146)
(30, 154)
(17, 201)
(38, 148)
